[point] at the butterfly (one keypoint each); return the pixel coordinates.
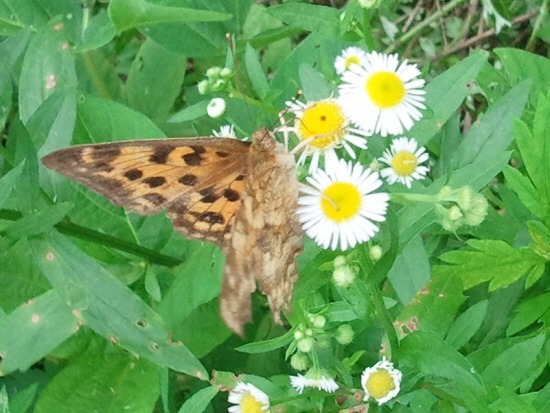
(241, 196)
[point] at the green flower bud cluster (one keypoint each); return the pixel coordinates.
(217, 80)
(344, 273)
(459, 207)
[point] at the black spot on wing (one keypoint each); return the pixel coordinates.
(209, 195)
(188, 180)
(105, 153)
(231, 195)
(155, 181)
(192, 159)
(154, 198)
(222, 154)
(133, 174)
(211, 218)
(161, 154)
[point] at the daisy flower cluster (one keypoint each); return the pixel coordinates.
(341, 206)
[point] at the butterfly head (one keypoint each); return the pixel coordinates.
(262, 139)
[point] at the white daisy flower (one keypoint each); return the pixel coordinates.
(226, 131)
(323, 127)
(313, 378)
(339, 208)
(216, 108)
(383, 95)
(247, 398)
(404, 159)
(381, 382)
(350, 56)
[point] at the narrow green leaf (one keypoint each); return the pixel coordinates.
(8, 182)
(509, 401)
(40, 221)
(22, 401)
(190, 113)
(10, 50)
(48, 66)
(199, 401)
(127, 14)
(493, 134)
(513, 365)
(319, 19)
(434, 307)
(467, 324)
(154, 80)
(314, 85)
(268, 345)
(33, 330)
(528, 312)
(4, 401)
(108, 307)
(255, 72)
(111, 382)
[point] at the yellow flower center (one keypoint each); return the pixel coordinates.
(380, 383)
(352, 60)
(404, 163)
(249, 404)
(341, 201)
(323, 121)
(385, 89)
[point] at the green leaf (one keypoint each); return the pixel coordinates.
(509, 401)
(33, 330)
(540, 234)
(108, 306)
(492, 260)
(255, 72)
(109, 383)
(493, 134)
(410, 271)
(10, 50)
(427, 352)
(8, 182)
(319, 19)
(99, 32)
(16, 14)
(4, 401)
(521, 65)
(48, 66)
(40, 221)
(445, 93)
(127, 14)
(528, 312)
(199, 401)
(314, 85)
(466, 325)
(511, 366)
(154, 80)
(434, 307)
(190, 113)
(526, 192)
(268, 345)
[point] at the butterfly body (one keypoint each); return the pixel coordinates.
(241, 196)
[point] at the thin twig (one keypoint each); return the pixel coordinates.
(413, 14)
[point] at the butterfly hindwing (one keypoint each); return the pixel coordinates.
(198, 181)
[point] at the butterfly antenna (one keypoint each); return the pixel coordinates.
(284, 128)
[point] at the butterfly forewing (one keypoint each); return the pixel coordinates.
(198, 181)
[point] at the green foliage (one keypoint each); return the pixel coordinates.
(106, 311)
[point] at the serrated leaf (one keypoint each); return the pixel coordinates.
(525, 191)
(199, 401)
(33, 330)
(255, 71)
(108, 307)
(127, 14)
(492, 260)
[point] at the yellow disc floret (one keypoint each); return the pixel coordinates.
(341, 201)
(404, 163)
(249, 404)
(380, 383)
(385, 89)
(325, 122)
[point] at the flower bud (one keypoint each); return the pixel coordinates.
(300, 361)
(344, 334)
(216, 108)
